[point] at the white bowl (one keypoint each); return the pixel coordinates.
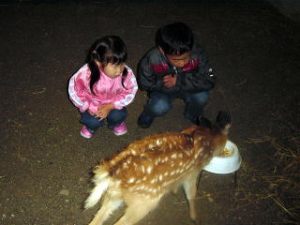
(227, 163)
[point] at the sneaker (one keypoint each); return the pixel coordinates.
(120, 129)
(85, 132)
(145, 121)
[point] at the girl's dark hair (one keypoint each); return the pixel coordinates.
(108, 49)
(175, 39)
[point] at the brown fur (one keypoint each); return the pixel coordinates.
(142, 173)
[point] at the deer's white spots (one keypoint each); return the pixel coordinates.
(188, 153)
(151, 146)
(177, 171)
(152, 190)
(143, 169)
(165, 159)
(153, 181)
(125, 165)
(160, 177)
(131, 180)
(149, 169)
(133, 152)
(187, 165)
(174, 156)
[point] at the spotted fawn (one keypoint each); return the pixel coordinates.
(147, 169)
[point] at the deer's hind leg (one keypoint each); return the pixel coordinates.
(137, 208)
(109, 205)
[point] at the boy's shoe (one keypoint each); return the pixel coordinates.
(84, 132)
(120, 129)
(145, 121)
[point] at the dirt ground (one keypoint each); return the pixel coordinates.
(45, 165)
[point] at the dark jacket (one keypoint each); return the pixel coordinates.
(195, 76)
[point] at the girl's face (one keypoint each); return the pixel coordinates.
(112, 70)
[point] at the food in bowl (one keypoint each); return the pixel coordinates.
(226, 153)
(228, 161)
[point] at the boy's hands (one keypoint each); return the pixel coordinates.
(104, 110)
(169, 80)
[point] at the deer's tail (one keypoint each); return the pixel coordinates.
(101, 181)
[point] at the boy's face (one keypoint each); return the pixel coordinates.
(179, 60)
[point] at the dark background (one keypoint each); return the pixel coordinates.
(45, 165)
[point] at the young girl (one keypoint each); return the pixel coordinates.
(103, 87)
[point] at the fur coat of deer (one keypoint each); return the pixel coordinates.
(143, 172)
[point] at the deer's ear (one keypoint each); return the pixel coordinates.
(225, 131)
(223, 118)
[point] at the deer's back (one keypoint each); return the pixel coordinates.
(152, 164)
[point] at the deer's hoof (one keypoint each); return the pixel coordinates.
(196, 221)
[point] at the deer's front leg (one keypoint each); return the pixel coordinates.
(190, 188)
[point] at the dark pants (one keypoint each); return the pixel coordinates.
(115, 117)
(159, 104)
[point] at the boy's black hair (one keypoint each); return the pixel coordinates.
(175, 39)
(108, 49)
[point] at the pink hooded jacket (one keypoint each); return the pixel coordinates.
(107, 90)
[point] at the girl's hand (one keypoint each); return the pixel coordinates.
(169, 80)
(104, 110)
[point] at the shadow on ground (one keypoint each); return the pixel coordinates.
(45, 164)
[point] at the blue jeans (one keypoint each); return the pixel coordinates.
(115, 117)
(160, 103)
